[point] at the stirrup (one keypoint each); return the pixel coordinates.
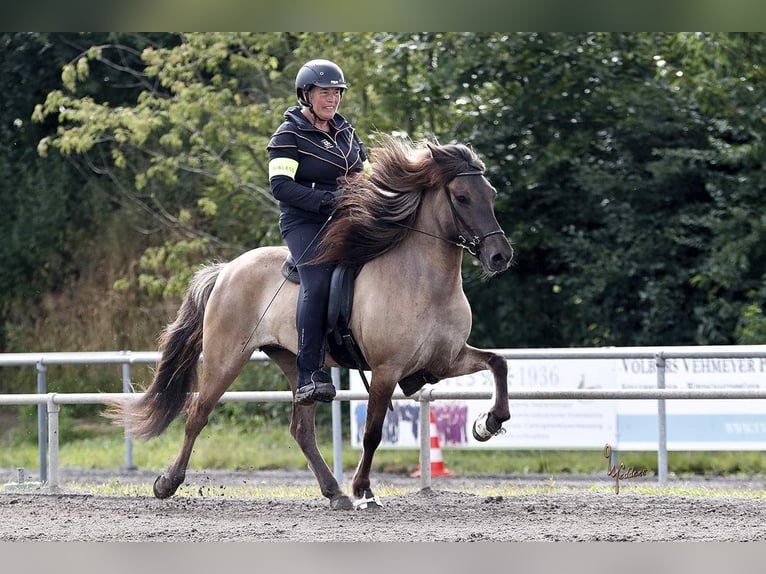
(319, 388)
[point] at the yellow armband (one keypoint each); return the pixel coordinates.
(283, 166)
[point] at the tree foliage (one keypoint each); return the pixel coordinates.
(629, 165)
(49, 206)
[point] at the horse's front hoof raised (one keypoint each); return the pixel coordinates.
(163, 487)
(368, 501)
(486, 426)
(341, 502)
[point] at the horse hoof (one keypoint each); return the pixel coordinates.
(486, 426)
(342, 502)
(161, 489)
(368, 501)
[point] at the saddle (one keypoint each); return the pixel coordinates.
(341, 343)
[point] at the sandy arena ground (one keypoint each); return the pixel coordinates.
(216, 506)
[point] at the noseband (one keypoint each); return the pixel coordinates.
(468, 239)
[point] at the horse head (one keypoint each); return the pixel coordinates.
(471, 200)
(377, 211)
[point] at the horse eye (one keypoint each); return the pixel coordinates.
(461, 199)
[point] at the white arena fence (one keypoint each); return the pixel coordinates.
(49, 403)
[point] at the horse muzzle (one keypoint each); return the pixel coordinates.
(496, 254)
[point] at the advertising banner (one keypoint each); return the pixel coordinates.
(702, 424)
(533, 424)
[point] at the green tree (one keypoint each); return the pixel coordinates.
(611, 161)
(628, 164)
(49, 205)
(189, 152)
(723, 77)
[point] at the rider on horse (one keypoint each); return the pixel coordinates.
(308, 153)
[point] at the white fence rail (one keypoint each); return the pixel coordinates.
(49, 404)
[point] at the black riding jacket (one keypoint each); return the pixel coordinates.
(321, 159)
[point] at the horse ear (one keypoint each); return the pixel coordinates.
(436, 151)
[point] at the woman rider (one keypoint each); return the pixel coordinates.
(308, 153)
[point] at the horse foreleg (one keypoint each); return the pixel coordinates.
(490, 424)
(303, 430)
(168, 482)
(472, 360)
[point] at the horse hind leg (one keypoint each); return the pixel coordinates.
(377, 407)
(168, 482)
(215, 381)
(303, 431)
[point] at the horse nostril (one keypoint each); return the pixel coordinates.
(500, 261)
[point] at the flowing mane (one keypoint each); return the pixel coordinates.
(373, 212)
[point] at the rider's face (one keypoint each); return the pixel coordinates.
(325, 101)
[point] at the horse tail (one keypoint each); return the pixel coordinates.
(176, 376)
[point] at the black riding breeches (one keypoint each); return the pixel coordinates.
(311, 320)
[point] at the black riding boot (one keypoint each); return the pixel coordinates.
(314, 386)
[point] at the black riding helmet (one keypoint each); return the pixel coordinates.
(322, 73)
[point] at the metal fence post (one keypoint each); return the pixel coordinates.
(425, 440)
(126, 388)
(53, 440)
(337, 437)
(662, 439)
(42, 422)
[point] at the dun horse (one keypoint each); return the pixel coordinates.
(406, 225)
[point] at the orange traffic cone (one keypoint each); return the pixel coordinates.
(437, 462)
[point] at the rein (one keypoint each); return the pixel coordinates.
(468, 239)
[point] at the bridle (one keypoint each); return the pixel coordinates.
(468, 239)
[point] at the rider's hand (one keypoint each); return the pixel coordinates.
(327, 205)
